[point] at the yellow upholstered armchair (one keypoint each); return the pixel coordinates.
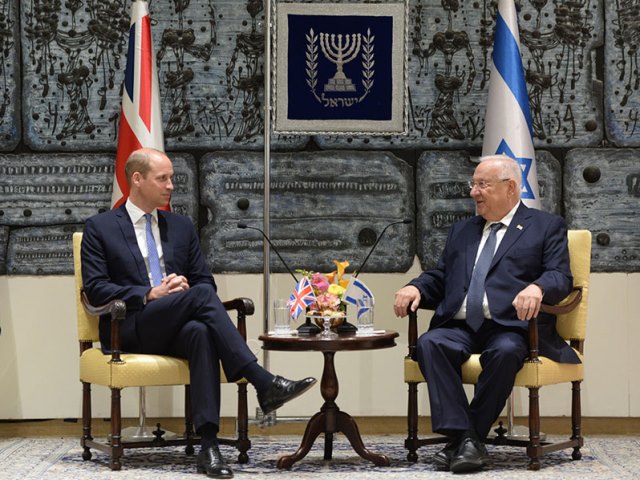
(119, 370)
(537, 371)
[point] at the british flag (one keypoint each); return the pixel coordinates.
(301, 298)
(140, 118)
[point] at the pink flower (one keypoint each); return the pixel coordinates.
(328, 300)
(319, 282)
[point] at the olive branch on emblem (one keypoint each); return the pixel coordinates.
(312, 62)
(368, 62)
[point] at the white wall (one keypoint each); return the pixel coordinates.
(39, 351)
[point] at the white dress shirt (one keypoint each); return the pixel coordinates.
(140, 225)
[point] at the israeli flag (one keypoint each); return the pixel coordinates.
(508, 118)
(355, 291)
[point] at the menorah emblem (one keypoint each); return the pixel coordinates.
(339, 53)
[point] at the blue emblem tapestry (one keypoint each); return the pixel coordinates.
(340, 69)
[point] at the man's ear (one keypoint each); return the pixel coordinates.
(135, 178)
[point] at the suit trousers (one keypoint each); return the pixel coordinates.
(442, 351)
(194, 325)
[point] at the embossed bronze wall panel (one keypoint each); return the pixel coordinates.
(325, 206)
(450, 45)
(210, 58)
(602, 194)
(46, 192)
(10, 125)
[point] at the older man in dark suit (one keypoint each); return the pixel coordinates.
(495, 270)
(152, 260)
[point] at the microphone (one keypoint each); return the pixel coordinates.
(244, 225)
(406, 221)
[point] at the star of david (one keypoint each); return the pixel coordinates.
(525, 164)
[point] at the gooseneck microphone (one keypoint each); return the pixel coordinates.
(406, 221)
(244, 225)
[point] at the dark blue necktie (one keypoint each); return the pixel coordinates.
(475, 295)
(152, 249)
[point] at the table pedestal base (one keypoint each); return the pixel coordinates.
(330, 420)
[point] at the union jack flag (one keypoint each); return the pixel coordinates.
(140, 117)
(301, 298)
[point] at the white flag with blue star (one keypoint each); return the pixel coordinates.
(508, 119)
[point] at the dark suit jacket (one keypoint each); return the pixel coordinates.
(533, 249)
(113, 267)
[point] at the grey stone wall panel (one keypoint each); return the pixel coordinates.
(209, 57)
(442, 196)
(54, 189)
(449, 69)
(50, 195)
(41, 250)
(325, 206)
(602, 194)
(10, 129)
(622, 76)
(4, 243)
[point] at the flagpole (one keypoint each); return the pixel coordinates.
(266, 279)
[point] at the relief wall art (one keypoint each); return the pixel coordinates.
(332, 189)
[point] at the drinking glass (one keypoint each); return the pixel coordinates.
(364, 319)
(281, 317)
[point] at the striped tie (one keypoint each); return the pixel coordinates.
(154, 260)
(475, 296)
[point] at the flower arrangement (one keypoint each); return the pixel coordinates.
(328, 289)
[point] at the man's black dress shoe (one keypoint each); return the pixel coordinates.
(281, 391)
(471, 455)
(443, 458)
(210, 461)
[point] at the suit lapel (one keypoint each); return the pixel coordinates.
(517, 227)
(129, 234)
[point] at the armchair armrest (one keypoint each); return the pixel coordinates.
(413, 334)
(244, 307)
(117, 310)
(565, 306)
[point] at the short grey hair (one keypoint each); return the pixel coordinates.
(509, 169)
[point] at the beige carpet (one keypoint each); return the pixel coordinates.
(604, 457)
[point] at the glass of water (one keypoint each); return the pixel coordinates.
(364, 319)
(281, 317)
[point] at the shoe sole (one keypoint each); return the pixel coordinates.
(200, 469)
(464, 466)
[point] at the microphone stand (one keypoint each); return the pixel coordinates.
(346, 327)
(307, 328)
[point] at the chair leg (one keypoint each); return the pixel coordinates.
(576, 420)
(86, 420)
(243, 444)
(411, 443)
(116, 430)
(189, 432)
(534, 449)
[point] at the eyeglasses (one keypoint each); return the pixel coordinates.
(482, 185)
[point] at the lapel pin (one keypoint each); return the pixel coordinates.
(519, 227)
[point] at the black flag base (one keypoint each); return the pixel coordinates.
(308, 328)
(346, 327)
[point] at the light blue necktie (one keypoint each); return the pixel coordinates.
(475, 296)
(154, 260)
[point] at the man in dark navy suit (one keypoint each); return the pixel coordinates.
(152, 260)
(483, 299)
